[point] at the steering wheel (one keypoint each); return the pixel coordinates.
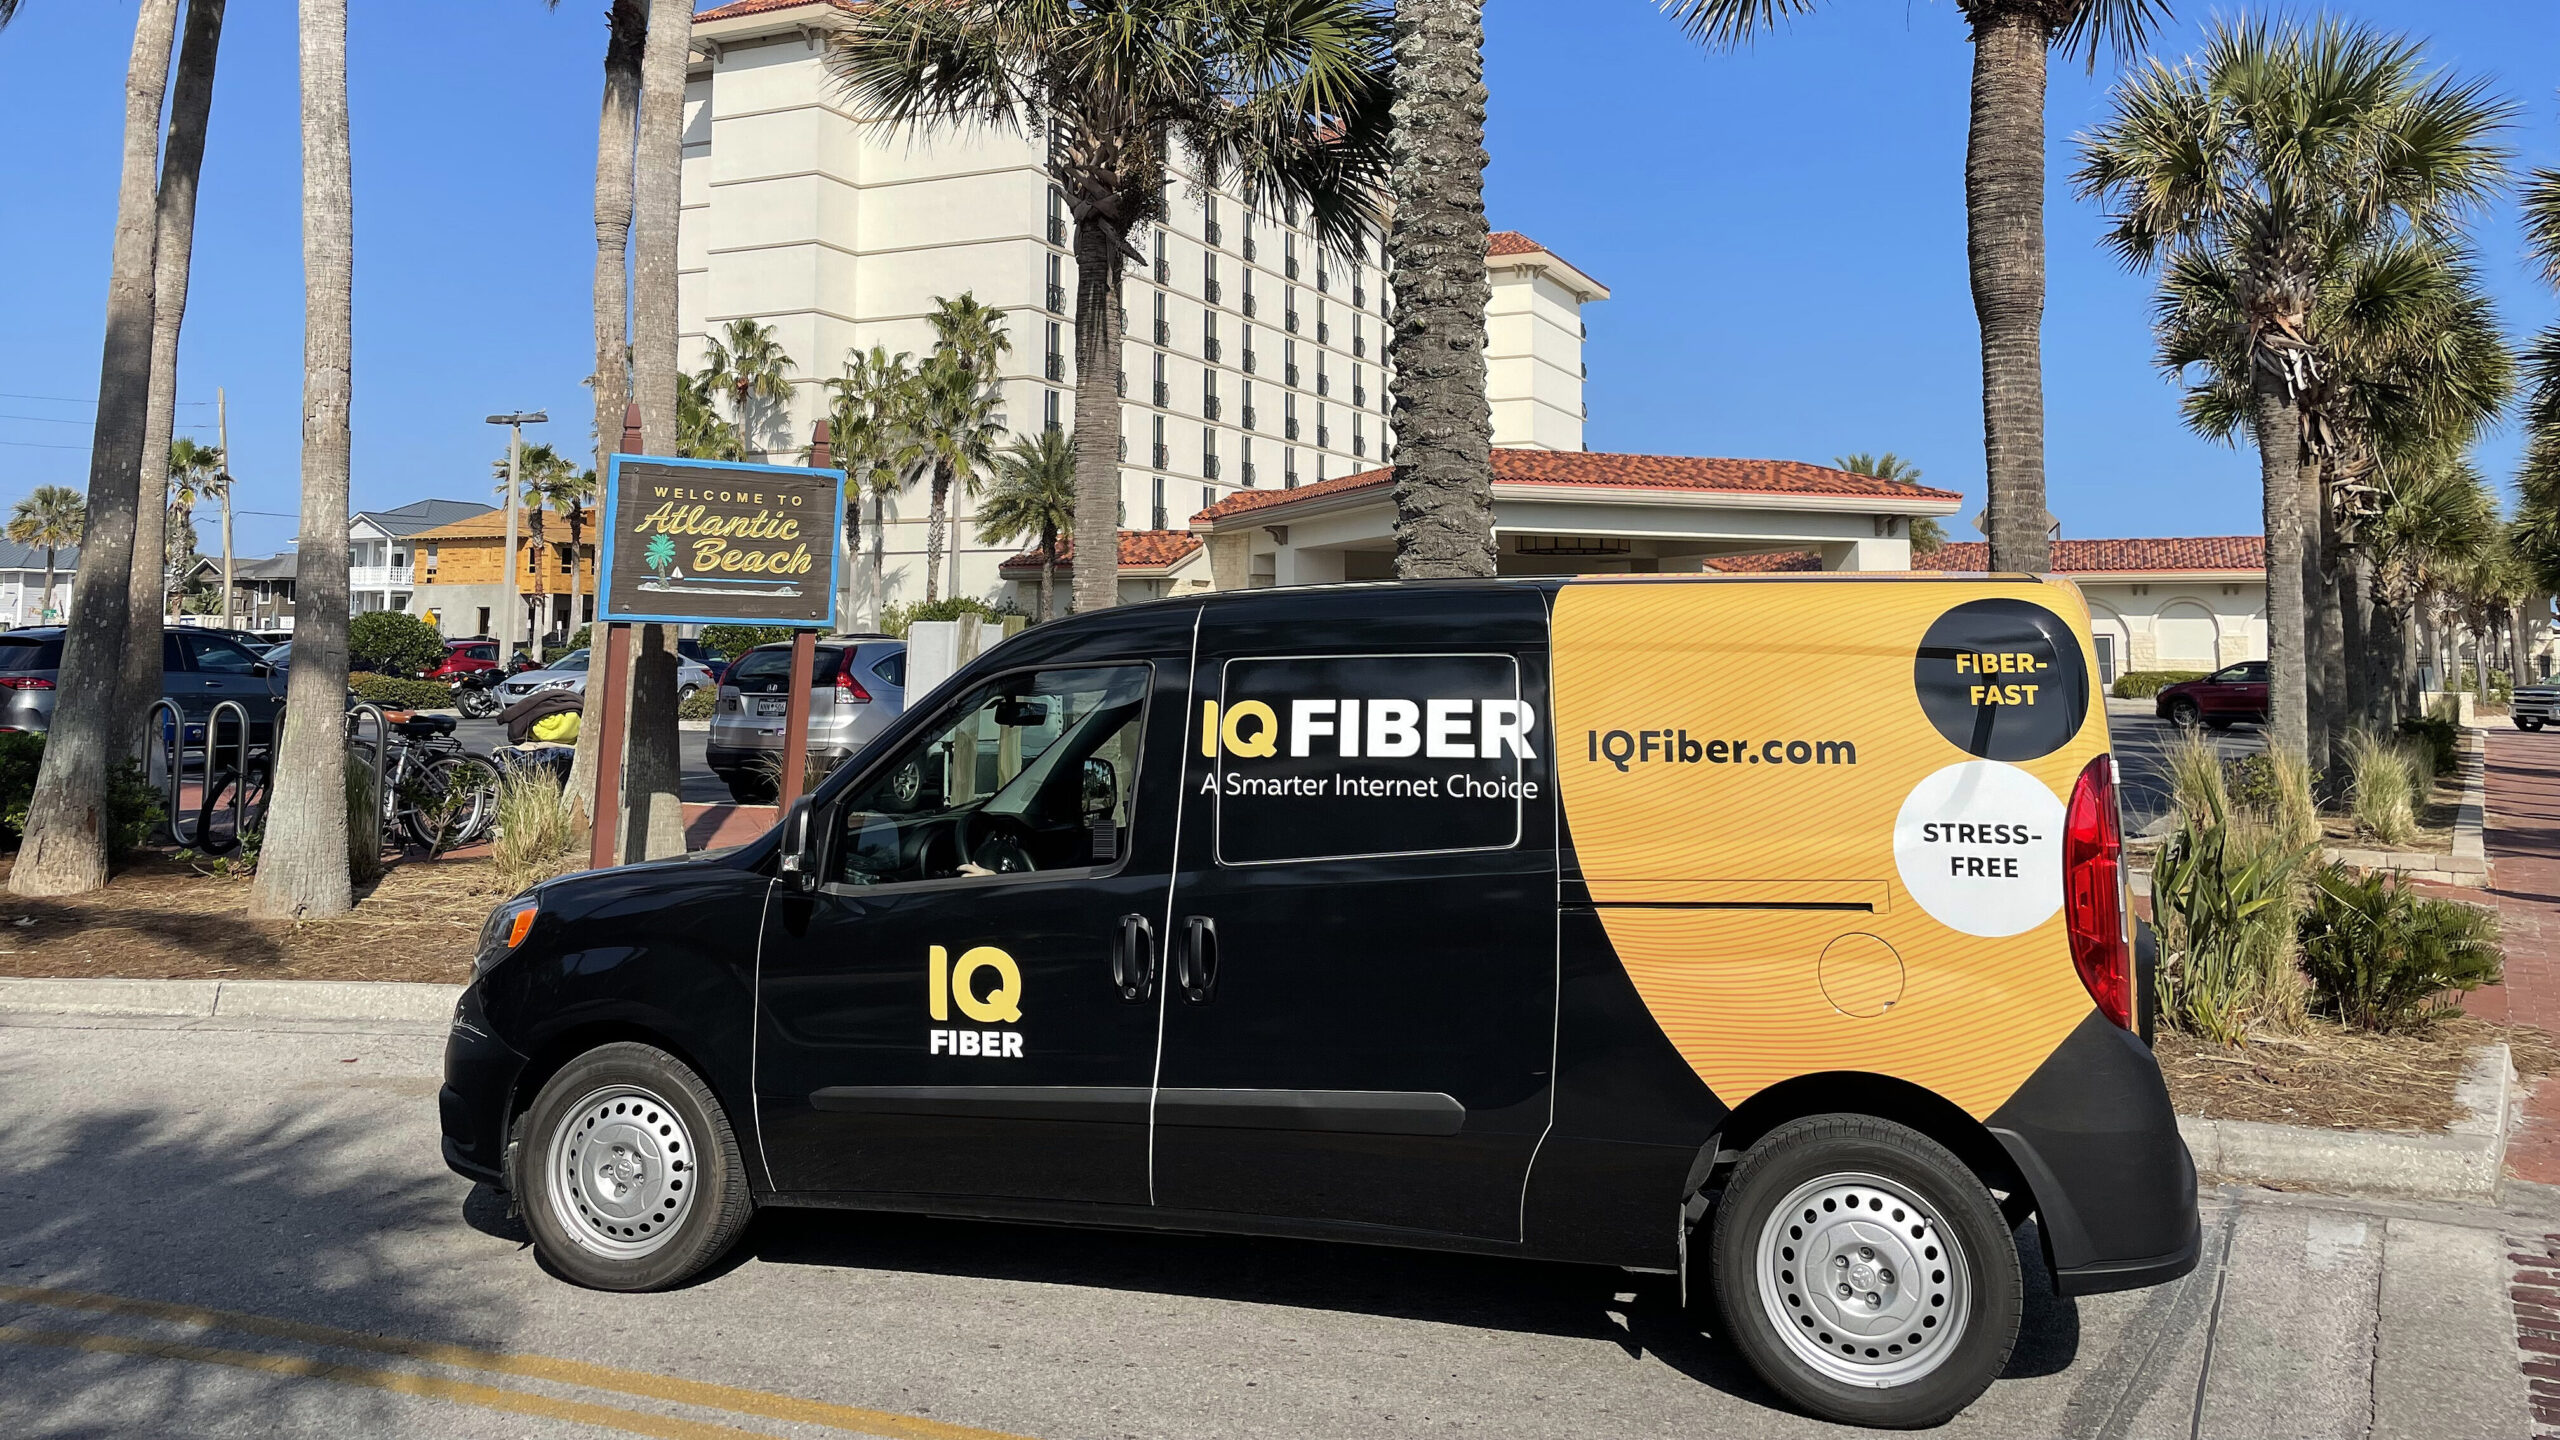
(993, 842)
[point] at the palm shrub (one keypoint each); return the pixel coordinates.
(2143, 684)
(2381, 791)
(2382, 957)
(2224, 892)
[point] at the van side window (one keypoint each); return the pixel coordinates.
(1340, 756)
(1029, 772)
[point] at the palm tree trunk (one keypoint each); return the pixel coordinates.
(848, 577)
(2280, 476)
(653, 824)
(933, 531)
(2004, 241)
(1048, 573)
(303, 871)
(1436, 245)
(44, 607)
(617, 129)
(2324, 637)
(952, 535)
(190, 108)
(1100, 262)
(65, 847)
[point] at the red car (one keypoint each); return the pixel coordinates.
(466, 657)
(2222, 699)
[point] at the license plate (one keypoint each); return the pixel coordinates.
(772, 706)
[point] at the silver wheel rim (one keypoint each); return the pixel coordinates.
(1863, 1280)
(622, 1172)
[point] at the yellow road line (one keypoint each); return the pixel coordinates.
(398, 1382)
(735, 1399)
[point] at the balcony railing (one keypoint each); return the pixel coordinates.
(1249, 417)
(1215, 292)
(1359, 297)
(1056, 366)
(1359, 446)
(1057, 299)
(1324, 282)
(1211, 349)
(1217, 236)
(1159, 519)
(380, 577)
(1324, 437)
(1249, 359)
(1057, 230)
(1289, 267)
(1324, 383)
(1164, 394)
(1248, 474)
(1289, 427)
(1164, 461)
(1124, 384)
(1290, 320)
(1209, 407)
(1164, 272)
(1360, 396)
(1164, 332)
(1209, 466)
(1324, 332)
(1291, 374)
(1250, 249)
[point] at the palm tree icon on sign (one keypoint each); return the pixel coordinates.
(661, 557)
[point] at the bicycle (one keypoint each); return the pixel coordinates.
(435, 794)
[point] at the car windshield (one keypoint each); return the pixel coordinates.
(574, 660)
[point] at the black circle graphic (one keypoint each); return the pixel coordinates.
(2002, 679)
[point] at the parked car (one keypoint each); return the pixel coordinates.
(2534, 706)
(2225, 698)
(569, 672)
(856, 688)
(1371, 914)
(702, 655)
(199, 669)
(466, 657)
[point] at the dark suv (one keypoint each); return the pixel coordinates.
(198, 670)
(2222, 699)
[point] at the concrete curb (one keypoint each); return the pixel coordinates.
(353, 1001)
(2465, 1163)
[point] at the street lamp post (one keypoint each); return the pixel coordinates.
(515, 478)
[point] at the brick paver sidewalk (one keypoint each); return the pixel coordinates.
(2524, 880)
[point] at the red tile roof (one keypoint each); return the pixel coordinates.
(1777, 563)
(1641, 472)
(1512, 242)
(739, 8)
(2167, 552)
(1139, 550)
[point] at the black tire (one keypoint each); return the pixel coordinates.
(708, 1217)
(2184, 714)
(457, 803)
(2524, 724)
(749, 791)
(1889, 1166)
(2219, 726)
(475, 702)
(686, 693)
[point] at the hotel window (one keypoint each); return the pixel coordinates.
(1289, 308)
(1289, 362)
(1324, 382)
(1324, 275)
(1157, 520)
(1248, 416)
(1049, 409)
(1246, 447)
(1324, 330)
(1209, 277)
(1289, 252)
(1324, 432)
(1209, 334)
(1359, 291)
(1058, 288)
(1251, 307)
(1248, 348)
(1164, 261)
(1164, 327)
(1359, 392)
(1208, 457)
(1249, 248)
(1209, 392)
(1163, 393)
(1289, 415)
(1359, 442)
(1057, 217)
(1163, 457)
(1289, 469)
(1359, 342)
(1055, 362)
(1209, 219)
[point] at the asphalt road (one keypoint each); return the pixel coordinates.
(700, 785)
(209, 1232)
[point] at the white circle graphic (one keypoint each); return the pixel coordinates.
(1979, 845)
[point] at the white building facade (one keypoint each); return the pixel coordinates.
(2189, 602)
(1253, 360)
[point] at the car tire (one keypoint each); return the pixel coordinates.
(628, 1171)
(2219, 725)
(686, 693)
(2184, 714)
(749, 791)
(2524, 724)
(1931, 1269)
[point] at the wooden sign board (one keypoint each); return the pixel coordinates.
(709, 542)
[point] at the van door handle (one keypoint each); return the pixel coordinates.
(1133, 958)
(1199, 973)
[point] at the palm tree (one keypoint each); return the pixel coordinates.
(64, 850)
(700, 432)
(1034, 497)
(872, 409)
(2434, 510)
(2538, 483)
(51, 516)
(1282, 100)
(138, 682)
(573, 493)
(303, 871)
(960, 412)
(1927, 535)
(2278, 154)
(652, 824)
(2004, 215)
(196, 474)
(1436, 251)
(750, 366)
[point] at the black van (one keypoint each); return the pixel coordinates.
(1551, 918)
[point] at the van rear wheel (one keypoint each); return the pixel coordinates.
(629, 1172)
(1865, 1273)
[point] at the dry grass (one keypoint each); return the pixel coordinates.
(2383, 798)
(541, 832)
(2329, 1077)
(162, 920)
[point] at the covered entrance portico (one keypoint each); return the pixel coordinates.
(1573, 513)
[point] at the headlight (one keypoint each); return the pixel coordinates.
(505, 930)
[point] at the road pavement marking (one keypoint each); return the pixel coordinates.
(641, 1383)
(398, 1382)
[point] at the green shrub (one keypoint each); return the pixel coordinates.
(134, 806)
(393, 642)
(2439, 735)
(897, 618)
(736, 640)
(2275, 788)
(2143, 684)
(2502, 686)
(585, 636)
(699, 705)
(393, 693)
(2224, 892)
(2380, 792)
(2381, 957)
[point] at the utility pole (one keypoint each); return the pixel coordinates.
(514, 605)
(222, 441)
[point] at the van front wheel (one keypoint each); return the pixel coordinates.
(1864, 1272)
(629, 1172)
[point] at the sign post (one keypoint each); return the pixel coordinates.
(687, 542)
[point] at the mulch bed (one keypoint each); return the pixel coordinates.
(164, 920)
(2333, 1078)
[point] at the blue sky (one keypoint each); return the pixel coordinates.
(1783, 230)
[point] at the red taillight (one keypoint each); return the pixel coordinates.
(24, 682)
(847, 688)
(2093, 891)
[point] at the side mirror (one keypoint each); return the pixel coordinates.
(1101, 789)
(798, 865)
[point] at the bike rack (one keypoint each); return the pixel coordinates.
(172, 752)
(212, 766)
(380, 759)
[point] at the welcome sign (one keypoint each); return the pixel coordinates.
(709, 542)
